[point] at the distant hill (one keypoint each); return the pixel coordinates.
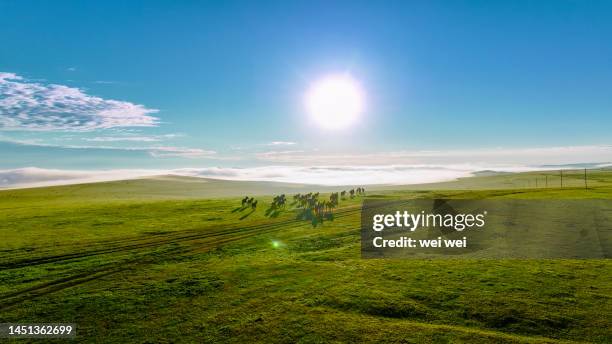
(486, 173)
(163, 187)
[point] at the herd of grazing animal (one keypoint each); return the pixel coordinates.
(309, 205)
(352, 193)
(279, 202)
(249, 202)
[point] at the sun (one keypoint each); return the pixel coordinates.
(335, 102)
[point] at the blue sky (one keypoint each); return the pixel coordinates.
(221, 83)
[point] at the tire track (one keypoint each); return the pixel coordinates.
(108, 269)
(84, 276)
(147, 242)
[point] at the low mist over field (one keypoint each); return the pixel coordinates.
(339, 175)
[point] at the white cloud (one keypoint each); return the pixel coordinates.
(124, 138)
(181, 152)
(155, 151)
(12, 76)
(27, 105)
(131, 138)
(284, 156)
(281, 143)
(496, 156)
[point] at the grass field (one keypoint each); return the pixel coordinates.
(172, 260)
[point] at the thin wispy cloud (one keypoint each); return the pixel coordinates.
(282, 156)
(28, 105)
(153, 151)
(123, 139)
(521, 156)
(281, 143)
(130, 138)
(180, 152)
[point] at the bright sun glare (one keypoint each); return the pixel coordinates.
(335, 102)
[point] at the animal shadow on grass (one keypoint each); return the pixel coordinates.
(314, 219)
(304, 214)
(272, 212)
(238, 209)
(247, 214)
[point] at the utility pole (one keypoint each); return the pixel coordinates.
(561, 171)
(585, 179)
(546, 181)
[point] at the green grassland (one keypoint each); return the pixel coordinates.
(174, 259)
